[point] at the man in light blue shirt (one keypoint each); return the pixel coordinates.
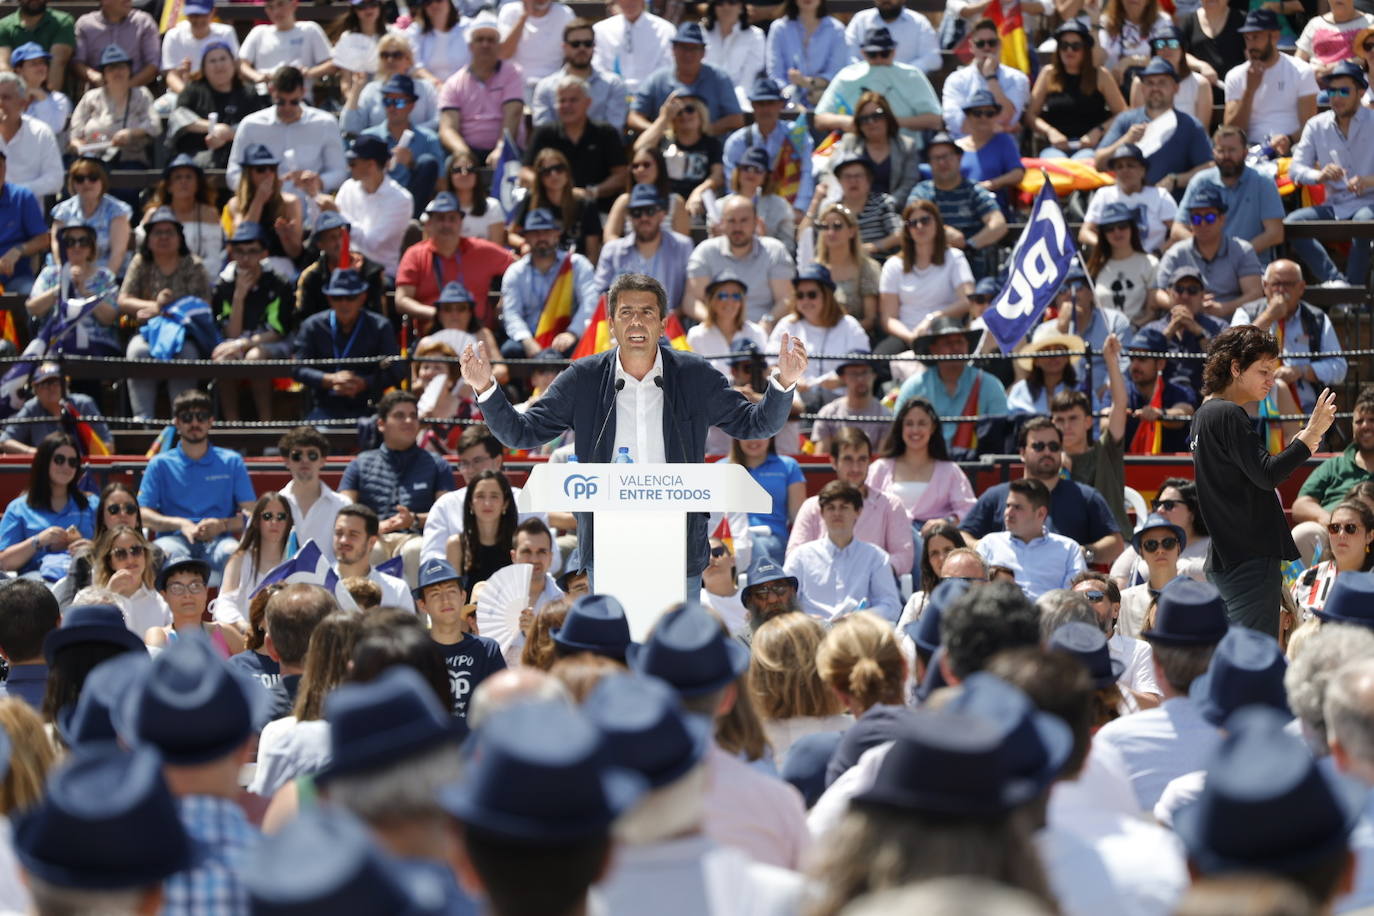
(1254, 211)
(770, 133)
(610, 104)
(1009, 86)
(527, 285)
(689, 74)
(649, 249)
(912, 98)
(837, 574)
(1040, 560)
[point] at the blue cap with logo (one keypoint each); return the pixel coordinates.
(29, 50)
(1208, 197)
(434, 571)
(646, 195)
(259, 154)
(114, 54)
(400, 84)
(444, 202)
(1158, 66)
(878, 39)
(345, 283)
(542, 220)
(815, 273)
(689, 33)
(367, 146)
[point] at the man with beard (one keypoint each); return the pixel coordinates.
(1327, 485)
(1254, 211)
(770, 593)
(1176, 403)
(1337, 151)
(1271, 96)
(762, 263)
(529, 283)
(355, 534)
(1008, 86)
(649, 249)
(918, 45)
(1184, 150)
(610, 104)
(54, 31)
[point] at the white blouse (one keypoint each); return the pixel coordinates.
(846, 337)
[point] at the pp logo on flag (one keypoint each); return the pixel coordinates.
(579, 486)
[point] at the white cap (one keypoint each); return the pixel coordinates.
(484, 20)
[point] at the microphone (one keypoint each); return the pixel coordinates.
(619, 384)
(672, 418)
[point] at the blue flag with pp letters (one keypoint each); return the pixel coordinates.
(1039, 264)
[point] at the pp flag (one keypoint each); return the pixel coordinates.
(1038, 266)
(309, 566)
(506, 177)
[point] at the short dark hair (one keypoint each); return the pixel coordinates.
(392, 399)
(393, 637)
(292, 615)
(850, 437)
(28, 613)
(577, 25)
(1230, 130)
(984, 621)
(288, 79)
(302, 437)
(1109, 585)
(1365, 401)
(636, 283)
(192, 399)
(370, 521)
(533, 526)
(1035, 424)
(985, 23)
(566, 871)
(479, 434)
(1067, 400)
(1244, 345)
(840, 491)
(1181, 664)
(1036, 493)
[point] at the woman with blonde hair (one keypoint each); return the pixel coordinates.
(853, 270)
(819, 322)
(694, 158)
(553, 190)
(363, 104)
(122, 561)
(784, 685)
(860, 661)
(260, 199)
(31, 756)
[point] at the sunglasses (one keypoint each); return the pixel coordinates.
(585, 43)
(873, 117)
(396, 102)
(80, 241)
(780, 590)
(290, 103)
(808, 294)
(1168, 505)
(834, 227)
(181, 589)
(1161, 44)
(123, 553)
(1187, 289)
(916, 222)
(981, 113)
(1368, 46)
(638, 212)
(275, 516)
(262, 169)
(63, 460)
(299, 455)
(86, 178)
(552, 169)
(1071, 46)
(1347, 527)
(392, 55)
(730, 297)
(128, 509)
(1094, 596)
(1152, 545)
(984, 44)
(1117, 227)
(1198, 219)
(718, 552)
(463, 170)
(753, 169)
(1043, 446)
(194, 416)
(1341, 92)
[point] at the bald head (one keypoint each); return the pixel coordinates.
(1349, 714)
(962, 563)
(1283, 278)
(510, 686)
(739, 221)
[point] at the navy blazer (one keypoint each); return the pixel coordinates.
(696, 395)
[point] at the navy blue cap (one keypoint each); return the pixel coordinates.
(542, 220)
(1088, 644)
(187, 565)
(1265, 804)
(646, 728)
(1115, 213)
(89, 723)
(879, 39)
(161, 215)
(1036, 744)
(594, 623)
(1260, 20)
(1351, 600)
(382, 722)
(756, 157)
(988, 286)
(434, 571)
(689, 33)
(107, 821)
(330, 219)
(940, 137)
(1207, 197)
(725, 276)
(806, 761)
(689, 649)
(1189, 613)
(400, 84)
(1075, 272)
(981, 99)
(765, 89)
(743, 350)
(764, 570)
(183, 161)
(198, 7)
(925, 630)
(1247, 668)
(454, 291)
(259, 154)
(1148, 340)
(1074, 27)
(367, 146)
(29, 50)
(1158, 66)
(113, 54)
(1126, 151)
(1164, 30)
(444, 202)
(646, 195)
(853, 159)
(246, 232)
(345, 283)
(1158, 521)
(91, 623)
(815, 273)
(1349, 70)
(539, 774)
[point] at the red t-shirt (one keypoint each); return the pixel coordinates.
(475, 262)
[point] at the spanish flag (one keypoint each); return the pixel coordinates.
(1012, 28)
(85, 436)
(677, 337)
(163, 443)
(1149, 435)
(7, 329)
(787, 169)
(966, 436)
(597, 337)
(558, 307)
(724, 535)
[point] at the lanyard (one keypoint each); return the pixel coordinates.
(334, 335)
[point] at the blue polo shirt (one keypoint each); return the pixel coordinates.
(1077, 511)
(20, 220)
(385, 479)
(1253, 200)
(24, 521)
(775, 475)
(212, 487)
(1186, 149)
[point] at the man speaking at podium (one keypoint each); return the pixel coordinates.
(641, 395)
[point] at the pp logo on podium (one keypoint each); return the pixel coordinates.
(579, 486)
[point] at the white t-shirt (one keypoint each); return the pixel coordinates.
(1123, 285)
(848, 336)
(267, 47)
(540, 51)
(179, 44)
(379, 219)
(920, 292)
(441, 53)
(1154, 207)
(476, 227)
(1328, 42)
(1274, 108)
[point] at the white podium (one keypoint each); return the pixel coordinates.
(640, 541)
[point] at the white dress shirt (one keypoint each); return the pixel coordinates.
(835, 581)
(379, 220)
(34, 159)
(1160, 744)
(313, 141)
(318, 524)
(917, 42)
(740, 54)
(145, 609)
(753, 812)
(639, 414)
(1135, 654)
(633, 50)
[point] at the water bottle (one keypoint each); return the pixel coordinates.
(622, 456)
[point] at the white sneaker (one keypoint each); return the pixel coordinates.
(1336, 284)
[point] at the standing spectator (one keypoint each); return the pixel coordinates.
(594, 148)
(416, 155)
(531, 35)
(609, 102)
(194, 495)
(1074, 100)
(917, 43)
(1230, 271)
(23, 234)
(761, 262)
(445, 256)
(913, 100)
(1152, 208)
(116, 114)
(634, 43)
(339, 333)
(1254, 211)
(30, 144)
(649, 248)
(283, 42)
(377, 208)
(313, 503)
(28, 613)
(688, 75)
(52, 30)
(857, 377)
(1009, 87)
(769, 134)
(253, 307)
(215, 100)
(51, 106)
(529, 283)
(440, 41)
(876, 136)
(956, 388)
(327, 241)
(1273, 95)
(733, 45)
(306, 140)
(364, 96)
(484, 100)
(1183, 153)
(261, 199)
(185, 44)
(117, 24)
(805, 49)
(972, 220)
(1040, 559)
(929, 280)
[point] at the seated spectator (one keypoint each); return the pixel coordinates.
(1185, 326)
(1158, 543)
(34, 66)
(1184, 152)
(1176, 502)
(484, 217)
(1049, 370)
(553, 191)
(762, 264)
(338, 333)
(818, 321)
(972, 220)
(326, 244)
(770, 593)
(1153, 208)
(122, 561)
(212, 103)
(284, 42)
(415, 163)
(444, 255)
(791, 699)
(1124, 36)
(470, 659)
(880, 228)
(1040, 559)
(184, 585)
(647, 167)
(929, 280)
(186, 191)
(1336, 477)
(483, 544)
(365, 103)
(73, 279)
(312, 502)
(754, 179)
(1327, 39)
(1123, 274)
(609, 100)
(24, 235)
(724, 325)
(1254, 211)
(857, 377)
(163, 271)
(693, 157)
(1194, 87)
(90, 205)
(254, 661)
(484, 99)
(1350, 531)
(985, 72)
(1333, 153)
(782, 477)
(1098, 463)
(116, 114)
(649, 246)
(52, 516)
(377, 207)
(839, 572)
(766, 98)
(440, 42)
(689, 75)
(913, 101)
(805, 49)
(28, 613)
(1303, 329)
(1160, 408)
(1137, 680)
(1272, 95)
(184, 44)
(28, 141)
(532, 281)
(734, 45)
(355, 544)
(50, 399)
(261, 549)
(304, 140)
(593, 148)
(941, 558)
(433, 382)
(457, 327)
(991, 157)
(52, 30)
(875, 135)
(253, 306)
(1091, 320)
(117, 24)
(855, 272)
(262, 198)
(956, 388)
(634, 43)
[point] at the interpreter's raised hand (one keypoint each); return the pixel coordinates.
(791, 360)
(476, 367)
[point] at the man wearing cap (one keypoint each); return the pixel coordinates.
(483, 100)
(52, 30)
(1230, 270)
(444, 256)
(529, 283)
(415, 151)
(917, 43)
(326, 241)
(1177, 154)
(116, 22)
(1153, 207)
(183, 47)
(650, 248)
(1272, 95)
(761, 262)
(1254, 211)
(33, 160)
(610, 102)
(1010, 88)
(973, 221)
(442, 595)
(346, 330)
(49, 396)
(594, 148)
(688, 75)
(306, 140)
(766, 99)
(1155, 401)
(1337, 152)
(913, 100)
(253, 306)
(1303, 328)
(376, 207)
(857, 376)
(1186, 328)
(633, 43)
(956, 388)
(839, 573)
(284, 42)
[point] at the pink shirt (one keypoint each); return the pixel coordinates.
(480, 103)
(883, 522)
(758, 814)
(948, 493)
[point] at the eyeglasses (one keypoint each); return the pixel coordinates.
(778, 590)
(729, 297)
(62, 460)
(1152, 545)
(639, 212)
(396, 102)
(194, 416)
(1043, 446)
(1342, 92)
(182, 589)
(463, 170)
(1168, 505)
(834, 227)
(275, 516)
(585, 43)
(85, 178)
(391, 55)
(290, 103)
(1163, 44)
(298, 455)
(873, 117)
(128, 509)
(1187, 289)
(552, 169)
(123, 553)
(1094, 596)
(808, 294)
(916, 222)
(984, 44)
(1071, 46)
(1198, 219)
(982, 112)
(1348, 528)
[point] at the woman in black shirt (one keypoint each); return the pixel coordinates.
(1236, 476)
(1211, 35)
(210, 107)
(1073, 101)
